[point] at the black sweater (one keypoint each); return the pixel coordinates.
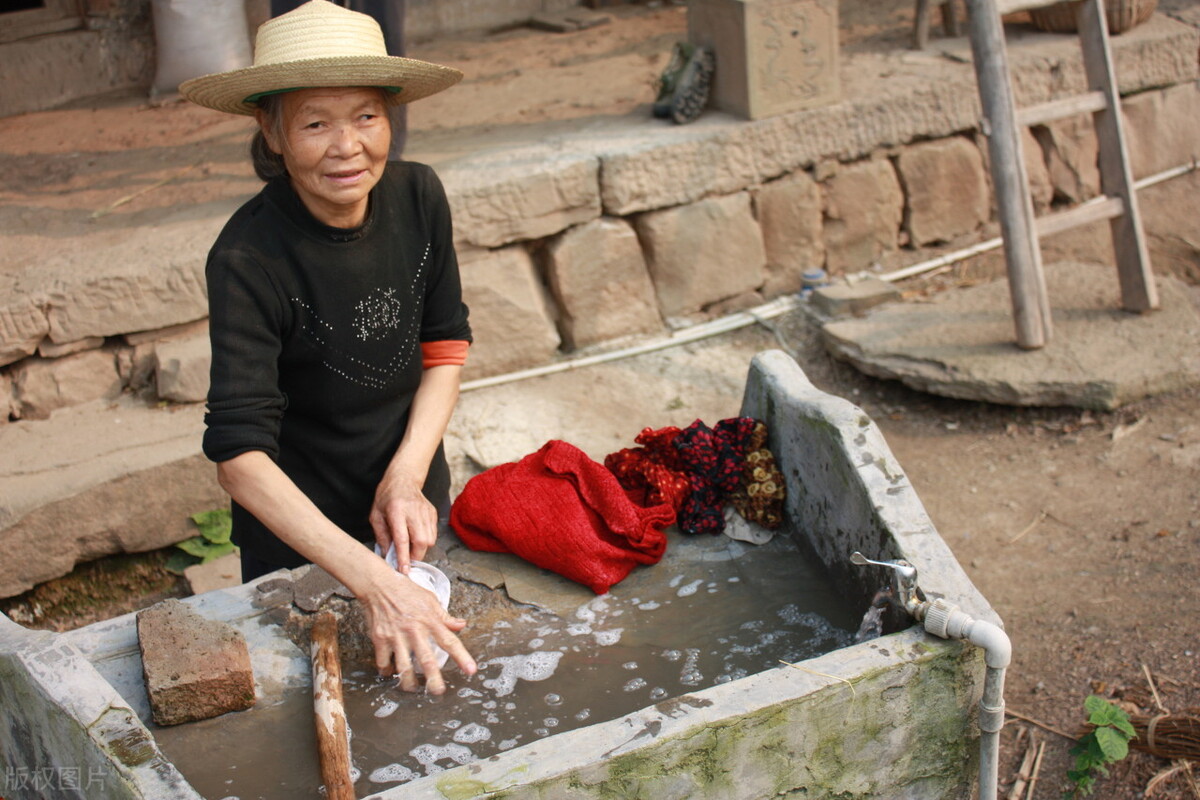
(316, 336)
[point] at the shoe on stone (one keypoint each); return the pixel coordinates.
(693, 85)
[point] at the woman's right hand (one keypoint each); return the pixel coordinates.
(402, 618)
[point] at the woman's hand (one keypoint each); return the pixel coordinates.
(402, 516)
(402, 617)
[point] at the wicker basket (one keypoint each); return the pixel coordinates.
(1122, 15)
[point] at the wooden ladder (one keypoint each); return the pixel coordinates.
(1018, 226)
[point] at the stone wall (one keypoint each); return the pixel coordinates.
(549, 267)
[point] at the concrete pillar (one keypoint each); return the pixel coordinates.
(773, 56)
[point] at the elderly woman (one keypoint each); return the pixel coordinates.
(338, 328)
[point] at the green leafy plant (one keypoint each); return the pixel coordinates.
(212, 542)
(1106, 744)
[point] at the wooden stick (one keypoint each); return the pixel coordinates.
(1154, 690)
(1040, 724)
(1037, 767)
(329, 712)
(101, 212)
(1041, 516)
(1024, 771)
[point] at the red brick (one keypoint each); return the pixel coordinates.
(195, 668)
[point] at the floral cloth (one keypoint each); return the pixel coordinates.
(698, 469)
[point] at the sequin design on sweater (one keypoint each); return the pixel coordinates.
(380, 315)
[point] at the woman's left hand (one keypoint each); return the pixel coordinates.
(402, 516)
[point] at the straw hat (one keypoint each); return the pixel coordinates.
(318, 44)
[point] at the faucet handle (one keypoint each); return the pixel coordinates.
(904, 570)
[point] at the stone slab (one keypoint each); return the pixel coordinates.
(220, 573)
(946, 193)
(598, 276)
(312, 586)
(181, 369)
(570, 19)
(119, 477)
(1161, 130)
(851, 299)
(704, 252)
(150, 276)
(48, 349)
(511, 320)
(790, 211)
(195, 668)
(43, 385)
(478, 568)
(519, 193)
(864, 209)
(963, 344)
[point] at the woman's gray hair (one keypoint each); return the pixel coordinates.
(267, 163)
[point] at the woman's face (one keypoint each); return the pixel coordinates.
(335, 148)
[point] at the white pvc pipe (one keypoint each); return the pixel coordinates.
(704, 330)
(946, 620)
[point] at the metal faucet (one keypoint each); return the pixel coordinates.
(910, 595)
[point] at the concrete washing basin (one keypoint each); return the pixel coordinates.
(888, 718)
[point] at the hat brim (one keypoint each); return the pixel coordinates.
(228, 91)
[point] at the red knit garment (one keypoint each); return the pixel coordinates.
(652, 473)
(560, 510)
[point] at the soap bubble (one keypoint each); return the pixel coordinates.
(691, 675)
(467, 691)
(536, 666)
(606, 638)
(428, 755)
(672, 655)
(507, 744)
(550, 722)
(629, 665)
(453, 724)
(536, 643)
(634, 685)
(472, 733)
(690, 589)
(658, 693)
(649, 605)
(553, 699)
(392, 773)
(541, 732)
(386, 708)
(583, 714)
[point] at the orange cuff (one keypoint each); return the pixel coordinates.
(439, 354)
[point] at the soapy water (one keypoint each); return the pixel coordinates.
(723, 611)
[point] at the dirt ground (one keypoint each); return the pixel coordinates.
(1081, 528)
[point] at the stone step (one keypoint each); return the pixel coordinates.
(96, 479)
